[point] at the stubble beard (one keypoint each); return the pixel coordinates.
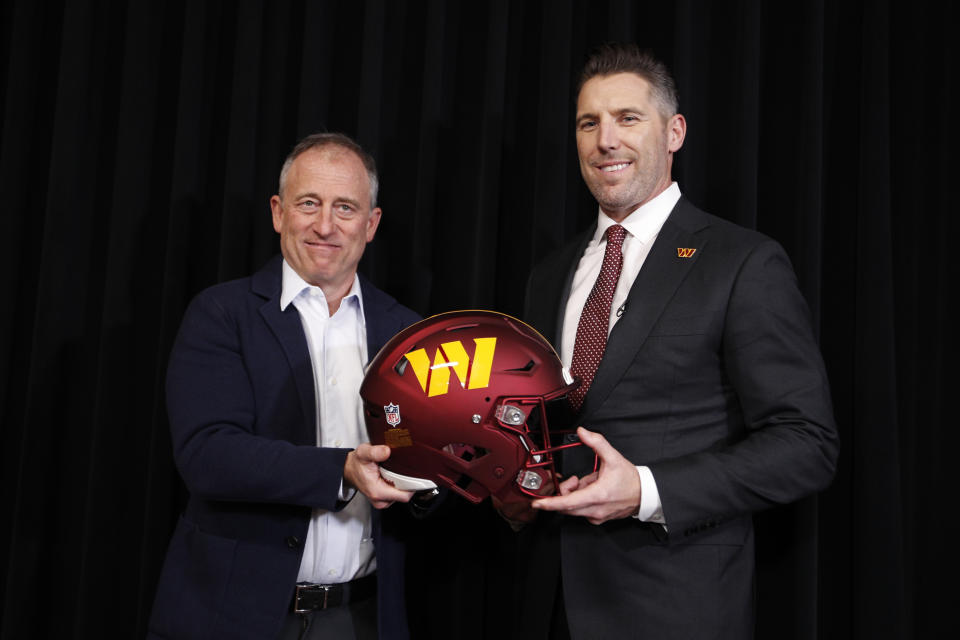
(623, 198)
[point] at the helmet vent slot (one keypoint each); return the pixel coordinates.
(527, 367)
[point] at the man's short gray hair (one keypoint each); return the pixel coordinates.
(322, 140)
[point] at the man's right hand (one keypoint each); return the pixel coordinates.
(612, 492)
(362, 472)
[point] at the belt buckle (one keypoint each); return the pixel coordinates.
(311, 587)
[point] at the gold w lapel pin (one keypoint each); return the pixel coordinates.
(684, 252)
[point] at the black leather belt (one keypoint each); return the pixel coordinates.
(314, 597)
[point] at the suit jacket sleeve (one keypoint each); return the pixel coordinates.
(235, 415)
(781, 443)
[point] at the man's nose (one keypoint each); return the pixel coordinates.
(608, 137)
(323, 223)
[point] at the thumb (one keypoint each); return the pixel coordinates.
(374, 452)
(596, 442)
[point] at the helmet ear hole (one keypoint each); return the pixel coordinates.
(469, 488)
(464, 481)
(465, 452)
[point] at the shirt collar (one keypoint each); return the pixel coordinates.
(292, 285)
(645, 222)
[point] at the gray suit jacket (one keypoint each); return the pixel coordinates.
(712, 377)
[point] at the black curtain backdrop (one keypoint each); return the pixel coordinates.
(142, 140)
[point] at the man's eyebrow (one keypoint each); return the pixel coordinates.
(585, 116)
(626, 110)
(315, 196)
(348, 200)
(618, 112)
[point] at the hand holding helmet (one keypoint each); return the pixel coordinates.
(611, 492)
(361, 471)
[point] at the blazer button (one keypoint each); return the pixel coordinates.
(293, 542)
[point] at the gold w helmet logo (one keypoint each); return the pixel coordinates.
(435, 378)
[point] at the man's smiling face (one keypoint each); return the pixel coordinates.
(624, 142)
(324, 216)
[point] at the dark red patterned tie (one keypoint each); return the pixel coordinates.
(595, 318)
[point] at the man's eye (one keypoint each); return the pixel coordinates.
(586, 125)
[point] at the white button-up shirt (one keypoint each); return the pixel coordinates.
(339, 546)
(643, 226)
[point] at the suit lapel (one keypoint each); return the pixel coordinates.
(380, 322)
(662, 273)
(288, 330)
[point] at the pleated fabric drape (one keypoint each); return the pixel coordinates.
(140, 143)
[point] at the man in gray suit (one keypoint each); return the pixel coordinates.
(705, 396)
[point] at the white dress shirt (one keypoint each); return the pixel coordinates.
(642, 225)
(339, 545)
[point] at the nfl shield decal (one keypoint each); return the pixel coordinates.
(392, 413)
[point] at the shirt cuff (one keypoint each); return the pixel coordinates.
(346, 494)
(650, 508)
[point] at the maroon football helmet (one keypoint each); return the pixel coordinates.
(462, 400)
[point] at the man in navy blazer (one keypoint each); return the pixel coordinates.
(262, 391)
(710, 401)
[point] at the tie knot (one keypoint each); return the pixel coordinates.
(615, 235)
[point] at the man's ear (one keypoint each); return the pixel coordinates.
(277, 212)
(676, 132)
(373, 222)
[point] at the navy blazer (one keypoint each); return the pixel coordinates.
(713, 378)
(241, 402)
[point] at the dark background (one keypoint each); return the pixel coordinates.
(142, 140)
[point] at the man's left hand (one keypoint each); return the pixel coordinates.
(362, 472)
(517, 511)
(612, 492)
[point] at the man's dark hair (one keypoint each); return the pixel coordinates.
(321, 140)
(614, 57)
